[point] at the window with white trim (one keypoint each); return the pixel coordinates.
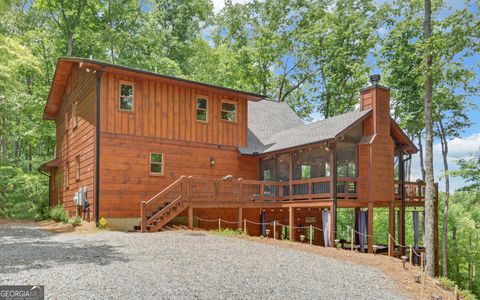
(202, 109)
(156, 163)
(126, 97)
(229, 111)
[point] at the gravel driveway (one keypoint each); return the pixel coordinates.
(178, 265)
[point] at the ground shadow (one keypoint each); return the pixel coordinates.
(26, 247)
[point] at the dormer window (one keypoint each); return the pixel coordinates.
(126, 97)
(229, 111)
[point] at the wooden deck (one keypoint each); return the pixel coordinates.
(217, 193)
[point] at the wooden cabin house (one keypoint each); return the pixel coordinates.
(143, 149)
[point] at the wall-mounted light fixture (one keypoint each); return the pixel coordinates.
(212, 161)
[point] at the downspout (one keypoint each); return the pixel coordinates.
(334, 168)
(97, 147)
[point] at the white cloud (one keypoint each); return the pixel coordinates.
(219, 4)
(463, 147)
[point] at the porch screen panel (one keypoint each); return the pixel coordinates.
(283, 170)
(311, 163)
(268, 172)
(346, 166)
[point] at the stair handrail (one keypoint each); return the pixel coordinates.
(163, 210)
(143, 206)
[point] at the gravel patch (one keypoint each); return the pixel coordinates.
(177, 265)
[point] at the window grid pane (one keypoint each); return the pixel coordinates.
(126, 97)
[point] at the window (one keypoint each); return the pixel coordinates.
(77, 160)
(67, 121)
(202, 113)
(66, 174)
(75, 114)
(126, 97)
(229, 111)
(156, 163)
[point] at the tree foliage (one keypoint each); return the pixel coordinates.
(314, 55)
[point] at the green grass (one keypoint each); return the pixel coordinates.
(229, 232)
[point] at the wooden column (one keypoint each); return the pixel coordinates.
(240, 216)
(290, 177)
(332, 226)
(401, 169)
(357, 229)
(370, 227)
(190, 217)
(391, 228)
(291, 224)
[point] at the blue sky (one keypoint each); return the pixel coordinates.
(463, 147)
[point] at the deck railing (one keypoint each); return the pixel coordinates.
(414, 191)
(203, 190)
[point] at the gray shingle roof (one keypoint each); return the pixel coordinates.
(274, 126)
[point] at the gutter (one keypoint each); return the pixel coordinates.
(97, 147)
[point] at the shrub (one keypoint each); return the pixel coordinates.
(446, 283)
(76, 221)
(449, 285)
(58, 214)
(466, 295)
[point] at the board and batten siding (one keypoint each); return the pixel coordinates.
(166, 110)
(163, 120)
(77, 141)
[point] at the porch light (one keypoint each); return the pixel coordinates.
(212, 161)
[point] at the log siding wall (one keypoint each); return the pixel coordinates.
(76, 142)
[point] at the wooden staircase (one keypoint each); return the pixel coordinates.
(163, 207)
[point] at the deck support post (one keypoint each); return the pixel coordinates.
(370, 227)
(291, 224)
(143, 221)
(391, 229)
(332, 226)
(240, 216)
(401, 186)
(190, 217)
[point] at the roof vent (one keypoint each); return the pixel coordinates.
(375, 79)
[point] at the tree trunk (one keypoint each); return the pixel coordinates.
(3, 145)
(69, 44)
(430, 188)
(444, 144)
(30, 164)
(420, 152)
